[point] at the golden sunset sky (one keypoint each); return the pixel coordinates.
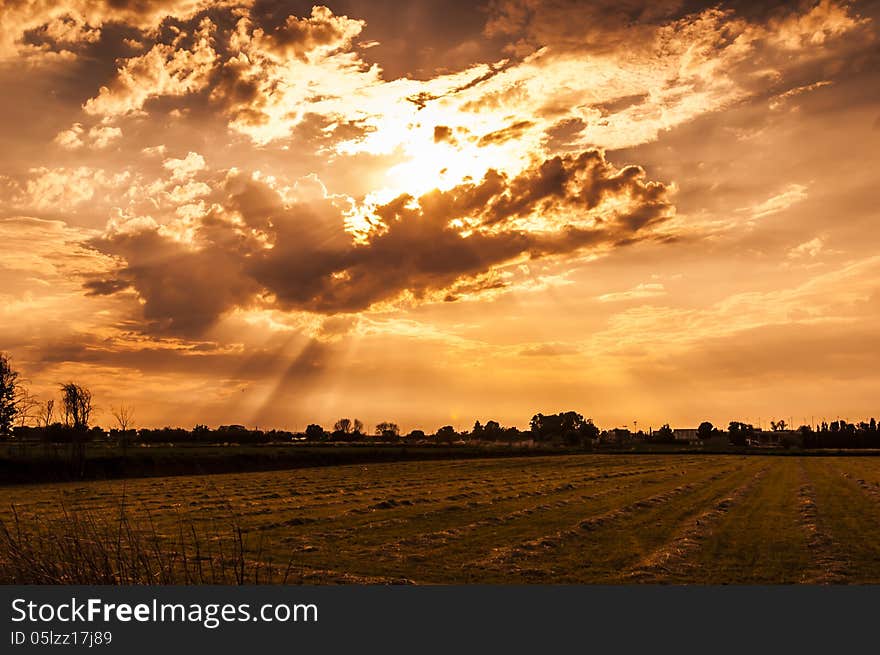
(434, 212)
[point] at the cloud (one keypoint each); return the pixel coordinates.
(443, 133)
(595, 27)
(275, 78)
(184, 289)
(165, 70)
(70, 139)
(823, 353)
(604, 26)
(99, 136)
(290, 248)
(184, 169)
(68, 187)
(549, 350)
(43, 264)
(304, 38)
(791, 195)
(782, 98)
(639, 292)
(262, 77)
(37, 29)
(809, 248)
(103, 136)
(461, 191)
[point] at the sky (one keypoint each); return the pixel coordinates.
(433, 212)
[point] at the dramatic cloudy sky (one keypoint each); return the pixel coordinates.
(434, 212)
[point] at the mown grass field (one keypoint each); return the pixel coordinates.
(565, 519)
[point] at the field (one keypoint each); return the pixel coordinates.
(614, 519)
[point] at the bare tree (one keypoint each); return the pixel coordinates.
(47, 412)
(343, 425)
(124, 416)
(27, 406)
(358, 426)
(26, 410)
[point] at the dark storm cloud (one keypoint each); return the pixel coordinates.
(512, 131)
(100, 287)
(443, 133)
(298, 256)
(620, 104)
(184, 289)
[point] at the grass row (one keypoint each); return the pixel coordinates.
(570, 519)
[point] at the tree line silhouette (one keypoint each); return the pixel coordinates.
(23, 419)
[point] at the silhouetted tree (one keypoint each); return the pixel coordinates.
(493, 431)
(343, 425)
(705, 430)
(76, 412)
(387, 430)
(314, 432)
(446, 434)
(76, 406)
(570, 426)
(8, 395)
(665, 434)
(546, 426)
(346, 429)
(740, 432)
(589, 431)
(416, 435)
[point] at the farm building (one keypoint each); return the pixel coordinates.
(688, 435)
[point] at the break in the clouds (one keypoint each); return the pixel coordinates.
(281, 199)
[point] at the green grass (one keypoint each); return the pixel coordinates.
(761, 539)
(849, 515)
(568, 519)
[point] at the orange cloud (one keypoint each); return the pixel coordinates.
(260, 249)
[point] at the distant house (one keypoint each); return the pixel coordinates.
(778, 438)
(617, 436)
(686, 435)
